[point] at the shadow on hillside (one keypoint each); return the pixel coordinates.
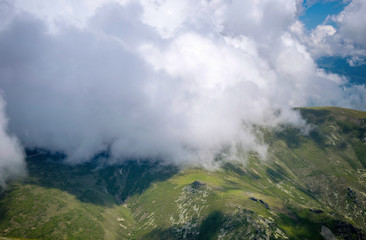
(89, 183)
(291, 136)
(208, 229)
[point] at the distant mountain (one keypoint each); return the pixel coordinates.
(338, 65)
(311, 187)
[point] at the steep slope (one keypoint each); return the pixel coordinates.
(312, 186)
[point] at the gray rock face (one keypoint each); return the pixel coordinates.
(327, 234)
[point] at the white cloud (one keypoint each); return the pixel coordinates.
(75, 13)
(11, 154)
(352, 22)
(6, 13)
(347, 38)
(178, 80)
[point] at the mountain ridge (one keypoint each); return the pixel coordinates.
(311, 186)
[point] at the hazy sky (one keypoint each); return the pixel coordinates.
(177, 80)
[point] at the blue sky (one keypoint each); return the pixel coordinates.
(316, 12)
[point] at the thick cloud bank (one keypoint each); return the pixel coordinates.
(179, 80)
(11, 154)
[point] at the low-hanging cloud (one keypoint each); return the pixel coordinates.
(127, 80)
(11, 154)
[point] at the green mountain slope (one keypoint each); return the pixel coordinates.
(312, 186)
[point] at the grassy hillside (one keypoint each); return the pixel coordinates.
(312, 186)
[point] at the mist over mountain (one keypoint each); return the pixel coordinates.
(310, 187)
(165, 119)
(168, 80)
(12, 156)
